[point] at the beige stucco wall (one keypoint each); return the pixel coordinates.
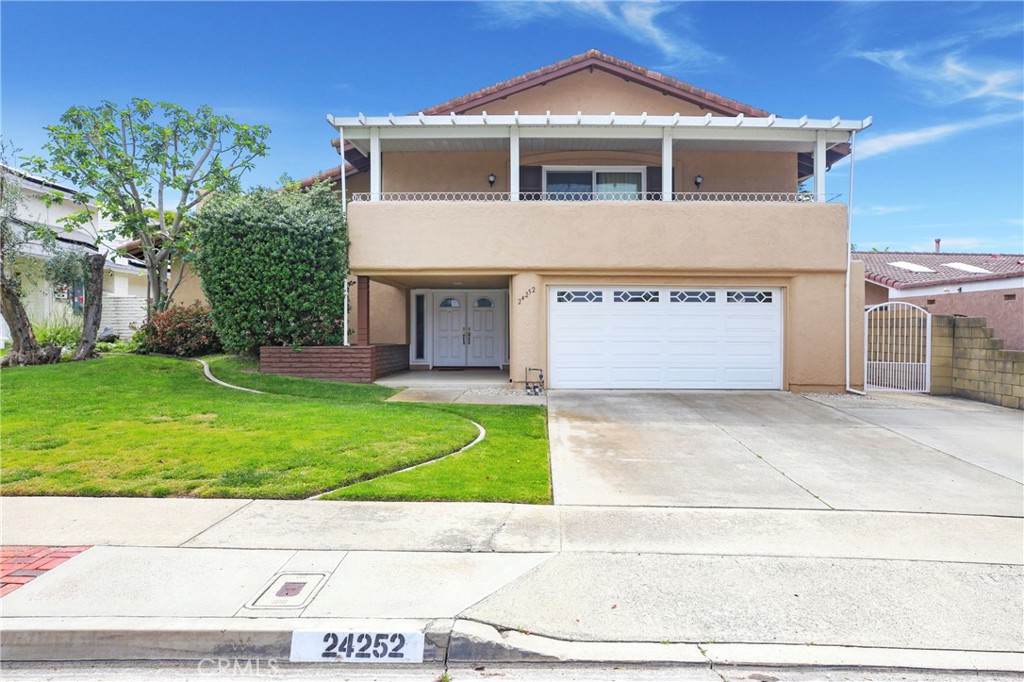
(443, 171)
(389, 313)
(737, 171)
(468, 171)
(591, 92)
(1004, 317)
(875, 293)
(508, 237)
(799, 247)
(190, 290)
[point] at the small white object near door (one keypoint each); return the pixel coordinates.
(665, 337)
(469, 329)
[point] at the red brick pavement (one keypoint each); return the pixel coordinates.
(21, 564)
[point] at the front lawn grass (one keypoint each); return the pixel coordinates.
(152, 426)
(512, 459)
(509, 465)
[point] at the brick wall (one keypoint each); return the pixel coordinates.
(967, 361)
(355, 364)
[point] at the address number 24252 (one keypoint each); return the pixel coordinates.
(365, 647)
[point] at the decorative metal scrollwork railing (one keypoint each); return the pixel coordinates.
(745, 197)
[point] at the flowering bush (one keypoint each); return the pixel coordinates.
(185, 331)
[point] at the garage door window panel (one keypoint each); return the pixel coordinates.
(580, 297)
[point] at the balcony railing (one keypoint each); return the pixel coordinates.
(745, 197)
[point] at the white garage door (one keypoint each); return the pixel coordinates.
(665, 337)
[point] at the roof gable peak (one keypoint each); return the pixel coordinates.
(595, 59)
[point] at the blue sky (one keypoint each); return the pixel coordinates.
(943, 81)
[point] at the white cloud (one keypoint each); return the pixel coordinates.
(948, 70)
(883, 144)
(645, 22)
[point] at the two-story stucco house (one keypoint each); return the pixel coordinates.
(124, 279)
(609, 225)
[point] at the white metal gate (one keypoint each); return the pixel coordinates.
(897, 347)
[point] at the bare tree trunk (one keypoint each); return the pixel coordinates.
(25, 350)
(156, 274)
(93, 311)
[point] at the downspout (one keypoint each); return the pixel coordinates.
(849, 234)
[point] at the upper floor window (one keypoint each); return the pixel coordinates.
(585, 184)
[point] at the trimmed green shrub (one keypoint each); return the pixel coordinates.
(274, 266)
(185, 331)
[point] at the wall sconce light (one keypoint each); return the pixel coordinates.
(491, 179)
(697, 181)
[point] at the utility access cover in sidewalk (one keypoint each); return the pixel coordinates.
(289, 591)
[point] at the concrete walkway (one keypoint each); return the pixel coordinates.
(780, 450)
(181, 579)
(472, 386)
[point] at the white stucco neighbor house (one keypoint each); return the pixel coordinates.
(124, 281)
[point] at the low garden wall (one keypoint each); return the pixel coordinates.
(355, 364)
(967, 361)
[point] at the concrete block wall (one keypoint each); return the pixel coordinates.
(969, 362)
(354, 364)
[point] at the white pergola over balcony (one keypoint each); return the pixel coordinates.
(515, 133)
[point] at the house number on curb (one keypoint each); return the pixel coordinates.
(346, 646)
(529, 292)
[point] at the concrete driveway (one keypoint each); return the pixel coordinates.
(751, 449)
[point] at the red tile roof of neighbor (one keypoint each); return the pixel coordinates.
(587, 60)
(878, 267)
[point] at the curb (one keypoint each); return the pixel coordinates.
(446, 641)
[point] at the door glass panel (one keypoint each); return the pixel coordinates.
(483, 303)
(618, 186)
(421, 326)
(570, 185)
(450, 303)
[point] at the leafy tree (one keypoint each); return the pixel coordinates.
(148, 166)
(274, 267)
(14, 237)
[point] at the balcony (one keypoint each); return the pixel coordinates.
(486, 232)
(742, 196)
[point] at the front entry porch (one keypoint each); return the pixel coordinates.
(472, 386)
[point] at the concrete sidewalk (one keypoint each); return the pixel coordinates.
(188, 579)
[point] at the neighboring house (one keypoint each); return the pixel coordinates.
(124, 279)
(608, 225)
(186, 287)
(969, 284)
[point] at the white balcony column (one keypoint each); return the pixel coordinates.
(374, 164)
(341, 177)
(513, 163)
(666, 165)
(819, 166)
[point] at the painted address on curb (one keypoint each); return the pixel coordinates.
(346, 646)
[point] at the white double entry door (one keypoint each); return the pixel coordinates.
(469, 328)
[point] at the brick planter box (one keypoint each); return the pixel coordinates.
(354, 364)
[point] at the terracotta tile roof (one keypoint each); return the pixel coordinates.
(599, 60)
(878, 267)
(589, 59)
